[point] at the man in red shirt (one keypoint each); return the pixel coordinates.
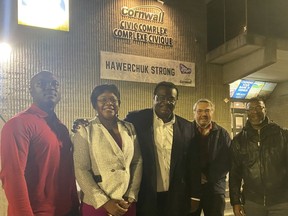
(36, 156)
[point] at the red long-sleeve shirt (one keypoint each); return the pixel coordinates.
(37, 168)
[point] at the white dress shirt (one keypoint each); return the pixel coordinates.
(163, 138)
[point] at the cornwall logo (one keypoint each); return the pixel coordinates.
(184, 69)
(144, 12)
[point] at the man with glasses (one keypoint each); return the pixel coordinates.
(213, 142)
(36, 156)
(164, 140)
(259, 156)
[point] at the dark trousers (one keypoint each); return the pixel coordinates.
(162, 198)
(211, 204)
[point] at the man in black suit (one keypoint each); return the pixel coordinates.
(169, 181)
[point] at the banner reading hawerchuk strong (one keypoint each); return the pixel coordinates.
(117, 66)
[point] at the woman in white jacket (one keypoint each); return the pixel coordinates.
(108, 163)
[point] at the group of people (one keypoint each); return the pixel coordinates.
(152, 163)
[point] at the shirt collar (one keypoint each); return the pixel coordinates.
(37, 111)
(159, 120)
(205, 131)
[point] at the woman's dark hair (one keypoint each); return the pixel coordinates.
(100, 89)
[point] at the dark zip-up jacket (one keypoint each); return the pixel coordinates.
(218, 157)
(260, 158)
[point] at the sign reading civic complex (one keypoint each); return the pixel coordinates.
(117, 66)
(140, 31)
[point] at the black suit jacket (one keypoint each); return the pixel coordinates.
(180, 189)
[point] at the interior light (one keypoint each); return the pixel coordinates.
(5, 50)
(162, 2)
(45, 13)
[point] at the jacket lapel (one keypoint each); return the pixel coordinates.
(177, 147)
(148, 149)
(149, 136)
(104, 138)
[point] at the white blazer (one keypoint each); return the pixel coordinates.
(104, 171)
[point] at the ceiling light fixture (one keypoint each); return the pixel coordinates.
(5, 50)
(161, 2)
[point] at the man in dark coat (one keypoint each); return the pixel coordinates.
(165, 140)
(213, 142)
(259, 156)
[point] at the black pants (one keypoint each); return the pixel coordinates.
(211, 204)
(162, 198)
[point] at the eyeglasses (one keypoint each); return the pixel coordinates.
(206, 111)
(256, 108)
(162, 98)
(43, 84)
(107, 100)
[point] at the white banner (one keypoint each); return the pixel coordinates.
(117, 66)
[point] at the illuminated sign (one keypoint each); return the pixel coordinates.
(51, 14)
(138, 31)
(246, 89)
